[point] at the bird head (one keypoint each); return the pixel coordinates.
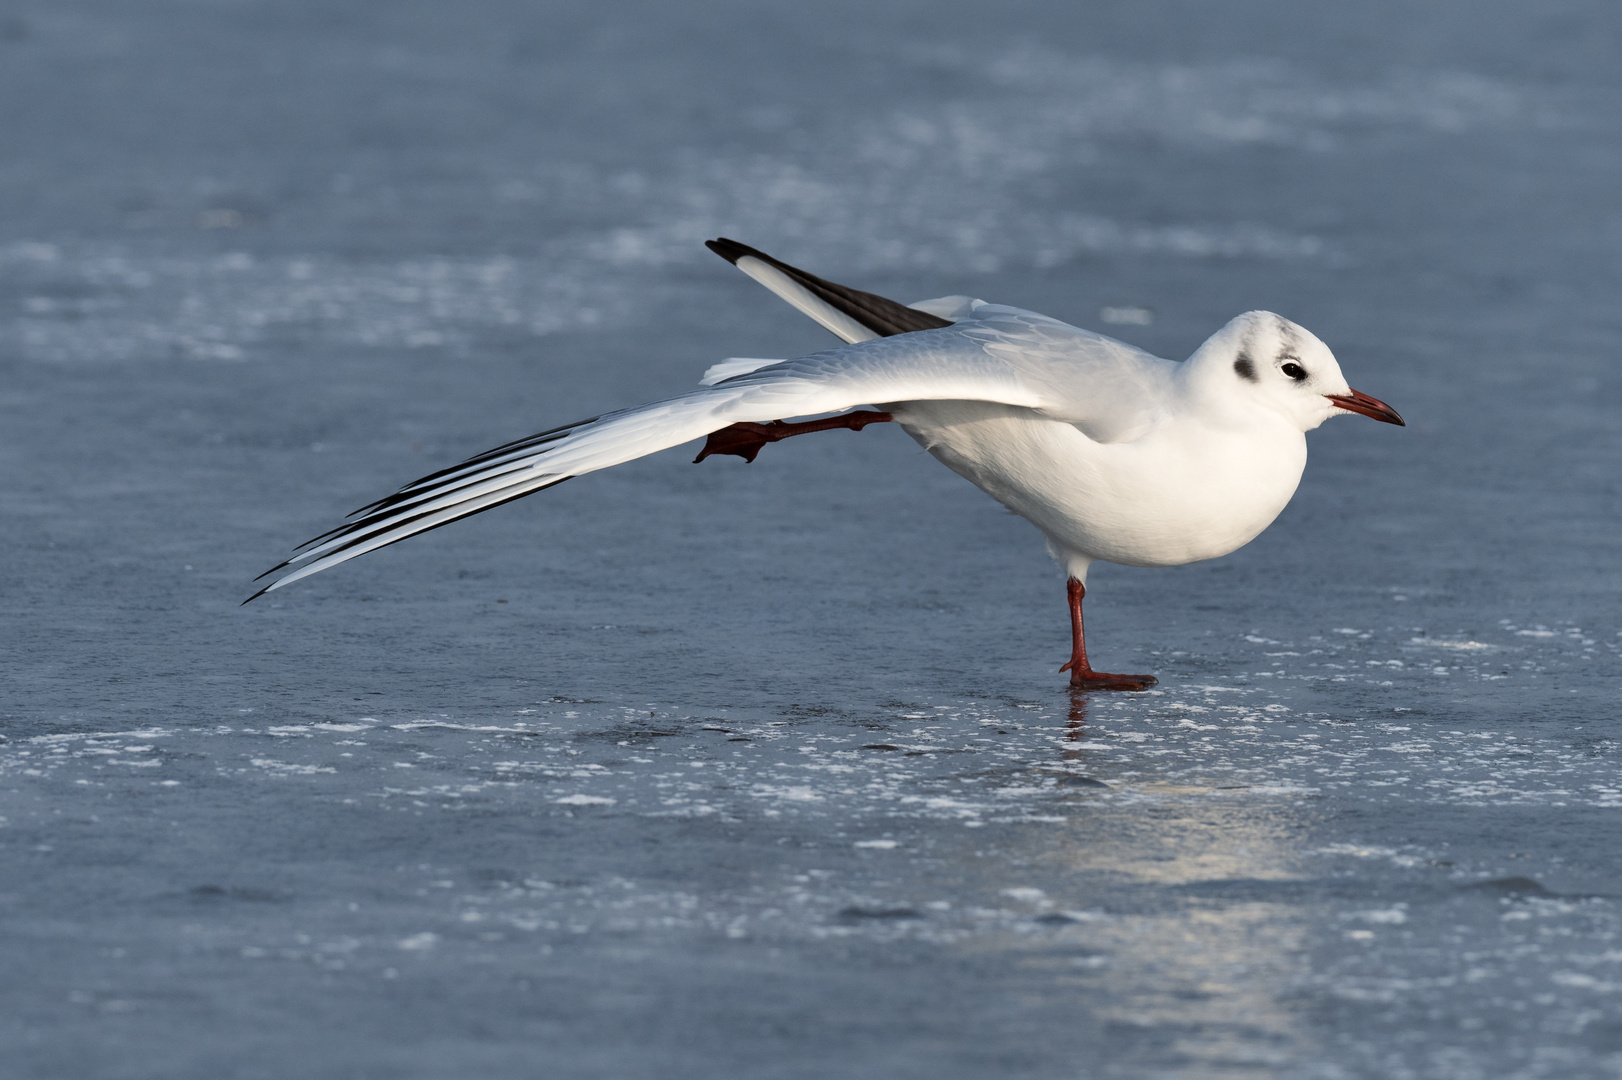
(1262, 359)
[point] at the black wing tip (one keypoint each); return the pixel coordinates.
(258, 594)
(731, 250)
(272, 570)
(880, 314)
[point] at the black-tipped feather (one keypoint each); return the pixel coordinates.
(419, 532)
(386, 513)
(394, 510)
(517, 445)
(279, 566)
(367, 533)
(883, 316)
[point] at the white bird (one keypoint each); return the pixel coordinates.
(1114, 454)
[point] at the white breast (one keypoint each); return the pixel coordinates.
(1182, 492)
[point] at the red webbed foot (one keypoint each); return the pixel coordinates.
(1088, 679)
(1082, 676)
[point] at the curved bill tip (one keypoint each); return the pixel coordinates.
(1371, 407)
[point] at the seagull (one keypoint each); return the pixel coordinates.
(1115, 455)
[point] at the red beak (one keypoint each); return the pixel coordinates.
(1373, 408)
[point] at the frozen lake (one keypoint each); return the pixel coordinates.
(767, 770)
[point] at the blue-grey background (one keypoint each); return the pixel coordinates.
(766, 770)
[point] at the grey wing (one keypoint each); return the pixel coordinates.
(1112, 391)
(930, 364)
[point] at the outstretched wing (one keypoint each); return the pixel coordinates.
(935, 364)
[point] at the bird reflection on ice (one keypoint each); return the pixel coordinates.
(1194, 966)
(1075, 724)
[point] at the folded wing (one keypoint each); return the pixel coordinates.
(849, 314)
(1110, 390)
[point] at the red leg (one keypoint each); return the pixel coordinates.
(1081, 673)
(747, 440)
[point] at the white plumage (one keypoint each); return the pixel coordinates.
(1112, 453)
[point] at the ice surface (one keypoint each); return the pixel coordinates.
(767, 770)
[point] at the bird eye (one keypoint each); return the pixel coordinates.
(1294, 371)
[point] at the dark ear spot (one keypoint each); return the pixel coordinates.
(1246, 367)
